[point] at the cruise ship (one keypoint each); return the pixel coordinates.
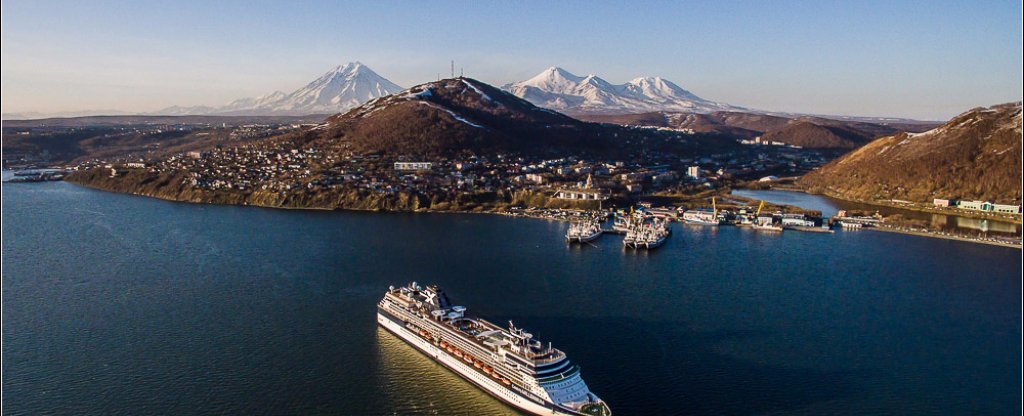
(507, 363)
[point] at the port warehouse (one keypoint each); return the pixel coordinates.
(983, 206)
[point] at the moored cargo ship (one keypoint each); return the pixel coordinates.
(507, 363)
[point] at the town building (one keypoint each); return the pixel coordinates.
(413, 165)
(693, 172)
(587, 193)
(1006, 209)
(797, 220)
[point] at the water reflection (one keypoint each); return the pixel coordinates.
(417, 385)
(985, 225)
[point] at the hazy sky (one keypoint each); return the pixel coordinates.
(929, 59)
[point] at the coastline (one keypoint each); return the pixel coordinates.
(891, 229)
(945, 237)
(1019, 220)
(524, 213)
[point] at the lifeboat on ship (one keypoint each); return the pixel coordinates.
(487, 369)
(496, 376)
(458, 353)
(444, 344)
(506, 381)
(467, 358)
(449, 349)
(478, 364)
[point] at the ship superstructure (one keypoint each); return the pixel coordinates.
(583, 232)
(509, 363)
(647, 236)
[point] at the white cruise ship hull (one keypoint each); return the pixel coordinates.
(454, 364)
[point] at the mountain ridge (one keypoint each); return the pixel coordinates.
(462, 115)
(559, 89)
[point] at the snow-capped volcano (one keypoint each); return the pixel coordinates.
(559, 89)
(344, 87)
(340, 89)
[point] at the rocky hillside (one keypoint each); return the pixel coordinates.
(976, 155)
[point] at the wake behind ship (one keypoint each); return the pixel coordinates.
(507, 363)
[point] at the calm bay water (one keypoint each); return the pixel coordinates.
(122, 305)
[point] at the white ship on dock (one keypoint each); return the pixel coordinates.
(507, 363)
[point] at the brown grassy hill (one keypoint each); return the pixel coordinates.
(810, 135)
(733, 124)
(465, 116)
(805, 131)
(749, 121)
(976, 155)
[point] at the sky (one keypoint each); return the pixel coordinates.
(926, 60)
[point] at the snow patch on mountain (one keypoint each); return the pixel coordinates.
(561, 90)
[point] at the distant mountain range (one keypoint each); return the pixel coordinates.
(353, 84)
(336, 91)
(558, 89)
(976, 155)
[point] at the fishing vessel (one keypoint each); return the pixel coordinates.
(508, 363)
(583, 232)
(647, 236)
(624, 221)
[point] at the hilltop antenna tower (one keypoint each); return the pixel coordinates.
(453, 68)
